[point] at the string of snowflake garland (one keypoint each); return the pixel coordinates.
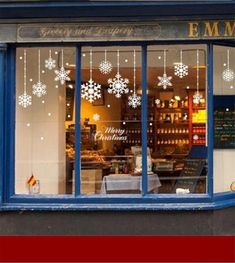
(181, 70)
(62, 75)
(39, 89)
(197, 95)
(24, 99)
(228, 74)
(134, 100)
(164, 81)
(91, 91)
(105, 66)
(50, 63)
(118, 85)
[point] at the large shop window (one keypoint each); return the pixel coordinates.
(111, 120)
(224, 118)
(45, 119)
(177, 117)
(110, 138)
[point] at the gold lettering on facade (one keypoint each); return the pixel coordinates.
(86, 31)
(211, 29)
(229, 29)
(193, 29)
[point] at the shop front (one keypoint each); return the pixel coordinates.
(118, 114)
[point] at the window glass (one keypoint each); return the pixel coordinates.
(111, 120)
(224, 118)
(44, 146)
(177, 118)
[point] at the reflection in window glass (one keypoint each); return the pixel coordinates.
(44, 148)
(177, 117)
(111, 120)
(224, 118)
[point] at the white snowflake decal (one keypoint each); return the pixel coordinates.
(181, 70)
(62, 75)
(25, 100)
(134, 100)
(96, 117)
(50, 63)
(164, 81)
(118, 86)
(197, 97)
(228, 75)
(39, 89)
(105, 67)
(91, 91)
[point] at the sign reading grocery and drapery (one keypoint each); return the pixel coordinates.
(169, 30)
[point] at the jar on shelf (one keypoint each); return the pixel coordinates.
(168, 118)
(176, 117)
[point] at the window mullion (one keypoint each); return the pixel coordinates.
(144, 115)
(210, 118)
(2, 67)
(77, 122)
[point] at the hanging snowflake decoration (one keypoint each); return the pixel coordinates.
(91, 91)
(105, 66)
(96, 117)
(62, 75)
(25, 100)
(118, 86)
(134, 100)
(181, 70)
(228, 74)
(50, 63)
(39, 89)
(197, 97)
(164, 81)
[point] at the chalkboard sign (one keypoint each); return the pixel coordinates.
(224, 122)
(190, 174)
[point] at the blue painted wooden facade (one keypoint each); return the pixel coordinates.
(60, 11)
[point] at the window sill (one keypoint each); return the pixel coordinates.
(177, 206)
